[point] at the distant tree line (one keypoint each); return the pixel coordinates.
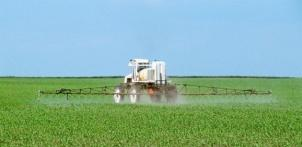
(175, 76)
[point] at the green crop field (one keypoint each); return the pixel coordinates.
(274, 120)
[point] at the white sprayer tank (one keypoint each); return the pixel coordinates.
(147, 71)
(159, 72)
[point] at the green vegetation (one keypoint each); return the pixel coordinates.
(195, 121)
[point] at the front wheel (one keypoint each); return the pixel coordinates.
(134, 95)
(118, 95)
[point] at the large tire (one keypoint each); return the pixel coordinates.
(118, 95)
(134, 95)
(171, 94)
(156, 97)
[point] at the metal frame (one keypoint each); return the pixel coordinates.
(182, 89)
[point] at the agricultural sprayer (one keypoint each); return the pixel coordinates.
(148, 78)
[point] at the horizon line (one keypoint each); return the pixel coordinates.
(172, 76)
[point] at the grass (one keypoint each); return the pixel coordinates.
(95, 121)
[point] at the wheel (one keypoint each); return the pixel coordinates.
(118, 97)
(156, 96)
(134, 95)
(171, 94)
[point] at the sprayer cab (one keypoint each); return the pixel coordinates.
(145, 71)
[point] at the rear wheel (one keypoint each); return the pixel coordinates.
(118, 95)
(171, 94)
(156, 96)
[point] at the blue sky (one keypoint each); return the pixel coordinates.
(194, 37)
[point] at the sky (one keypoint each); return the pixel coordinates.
(194, 37)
